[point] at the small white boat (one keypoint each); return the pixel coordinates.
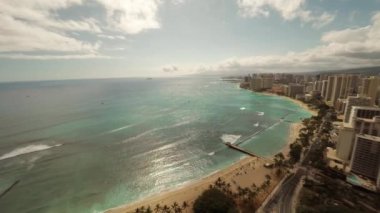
(256, 124)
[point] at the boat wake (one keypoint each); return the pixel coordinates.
(27, 150)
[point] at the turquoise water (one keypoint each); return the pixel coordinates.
(90, 145)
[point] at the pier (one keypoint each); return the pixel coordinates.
(232, 146)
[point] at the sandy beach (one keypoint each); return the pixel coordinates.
(247, 171)
(298, 102)
(293, 134)
(303, 105)
(244, 173)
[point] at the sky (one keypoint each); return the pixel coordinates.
(74, 39)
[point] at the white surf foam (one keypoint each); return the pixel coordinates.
(242, 108)
(230, 138)
(157, 129)
(119, 129)
(256, 124)
(211, 153)
(260, 113)
(26, 150)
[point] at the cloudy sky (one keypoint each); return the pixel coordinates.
(64, 39)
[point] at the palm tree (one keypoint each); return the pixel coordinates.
(185, 205)
(176, 208)
(268, 179)
(148, 210)
(279, 159)
(157, 208)
(166, 209)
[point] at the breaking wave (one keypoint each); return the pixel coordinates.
(230, 138)
(119, 129)
(157, 129)
(26, 150)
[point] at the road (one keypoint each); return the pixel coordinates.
(282, 200)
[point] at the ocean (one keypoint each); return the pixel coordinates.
(90, 145)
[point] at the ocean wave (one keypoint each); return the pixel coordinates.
(162, 149)
(230, 138)
(26, 150)
(260, 113)
(211, 153)
(274, 125)
(242, 108)
(121, 128)
(157, 129)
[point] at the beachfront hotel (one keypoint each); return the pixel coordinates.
(355, 99)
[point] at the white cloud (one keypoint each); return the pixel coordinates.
(18, 36)
(53, 57)
(170, 68)
(42, 13)
(112, 37)
(347, 48)
(177, 2)
(132, 16)
(288, 9)
(35, 26)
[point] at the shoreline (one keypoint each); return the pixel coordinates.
(245, 172)
(298, 102)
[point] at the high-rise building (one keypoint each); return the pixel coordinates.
(374, 90)
(343, 91)
(340, 105)
(354, 101)
(261, 82)
(317, 86)
(295, 89)
(362, 112)
(366, 157)
(345, 143)
(352, 85)
(364, 88)
(336, 89)
(309, 87)
(362, 120)
(267, 82)
(370, 87)
(324, 88)
(329, 88)
(256, 84)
